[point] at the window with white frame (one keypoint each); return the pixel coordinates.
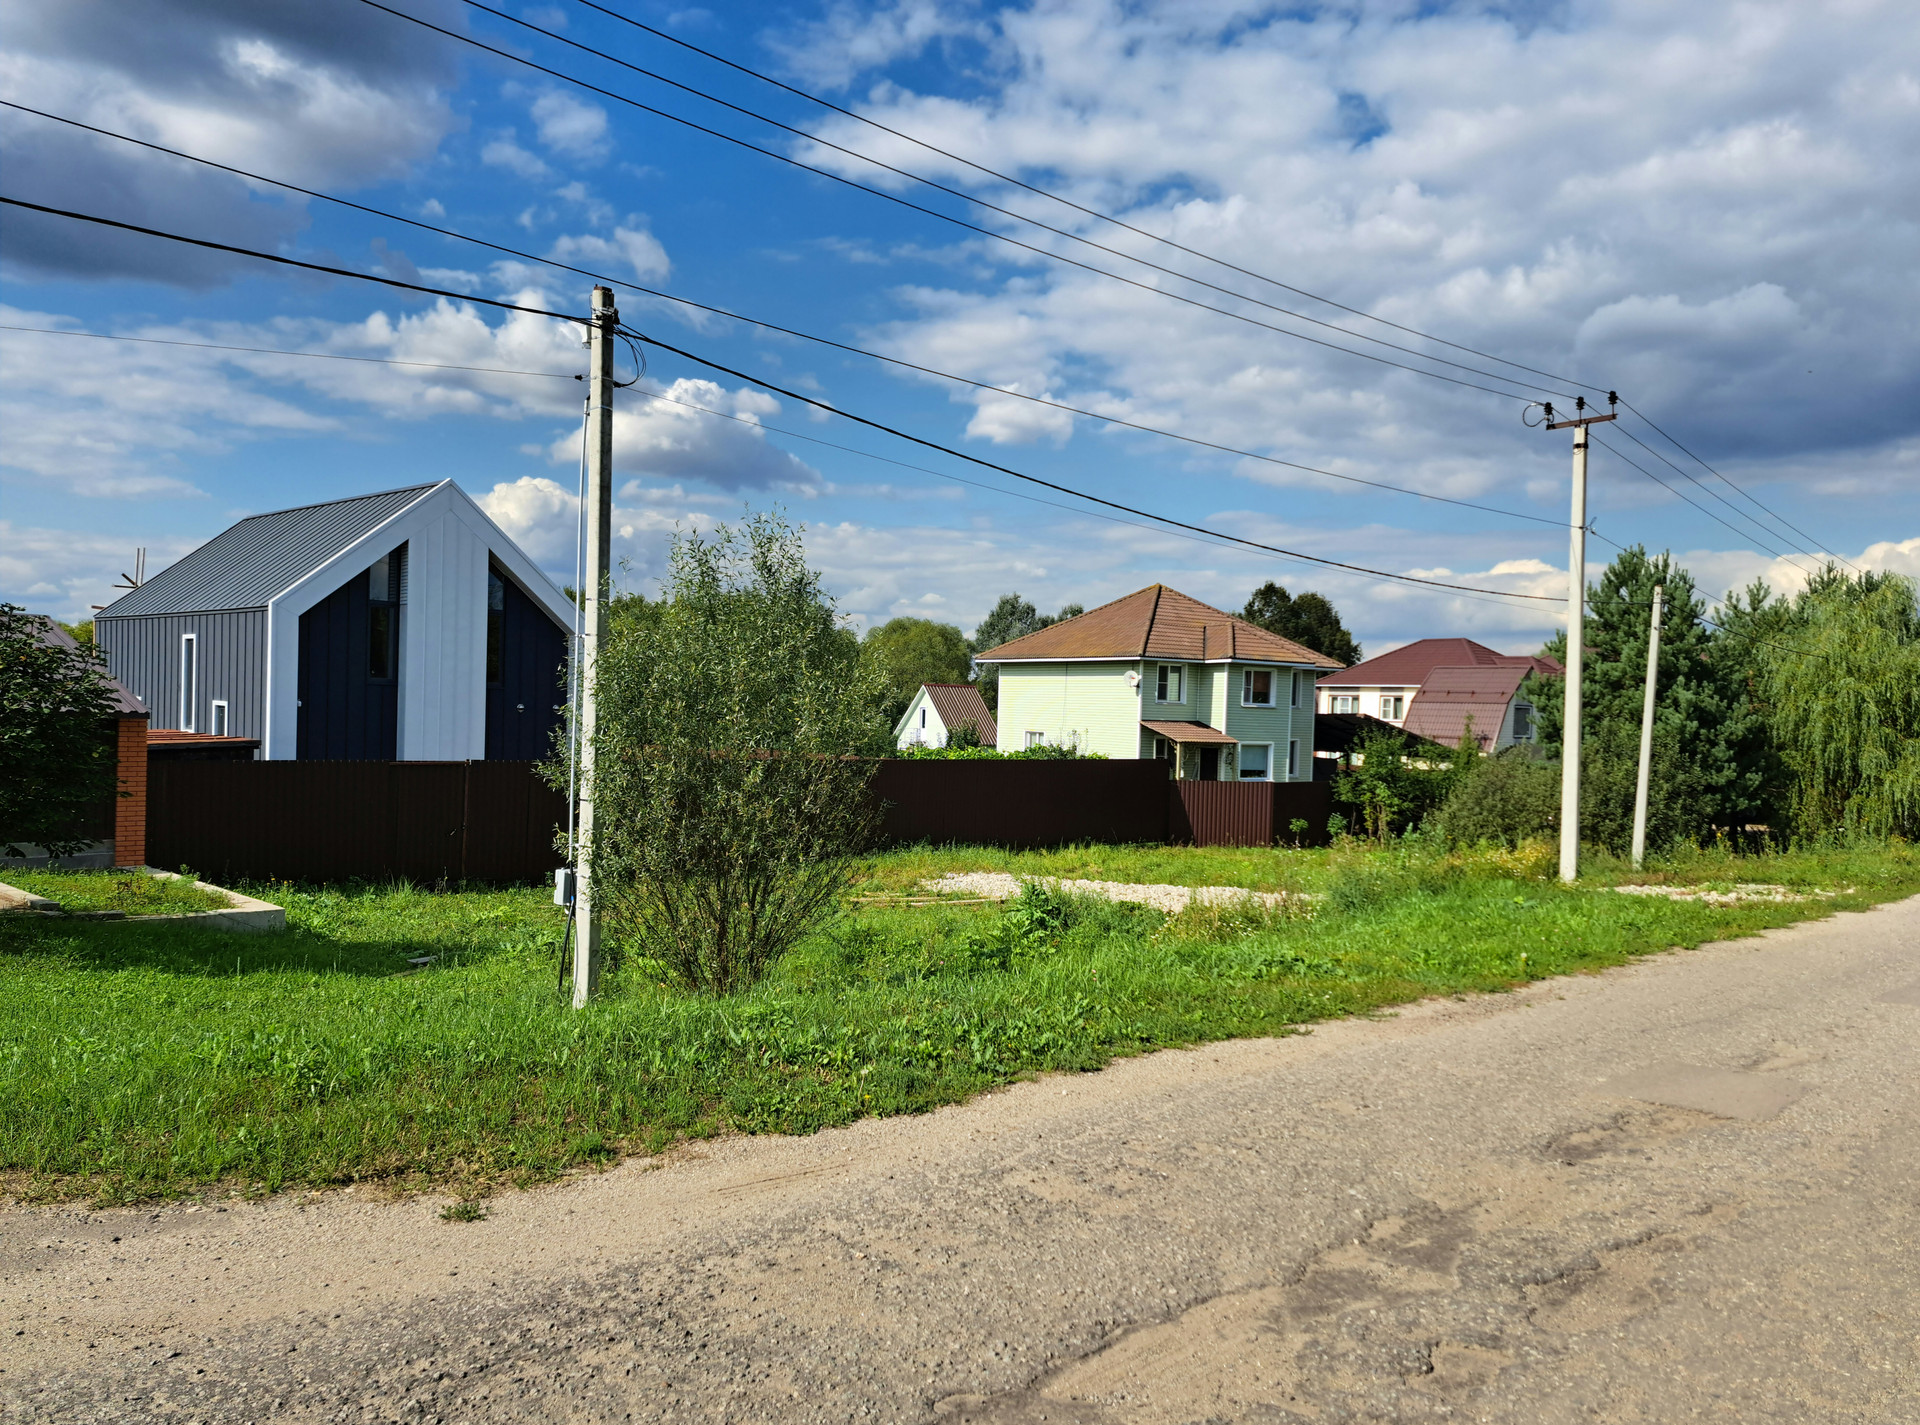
(1346, 702)
(923, 717)
(1256, 761)
(1256, 688)
(1393, 706)
(189, 679)
(217, 717)
(1293, 691)
(1293, 759)
(1035, 739)
(1170, 683)
(1162, 750)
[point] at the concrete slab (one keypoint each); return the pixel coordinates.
(1724, 1092)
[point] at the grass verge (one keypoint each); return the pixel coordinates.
(150, 1060)
(133, 892)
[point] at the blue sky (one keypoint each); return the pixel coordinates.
(1710, 207)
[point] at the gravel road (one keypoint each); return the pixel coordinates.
(1683, 1190)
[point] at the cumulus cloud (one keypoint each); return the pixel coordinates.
(634, 249)
(661, 440)
(63, 572)
(571, 127)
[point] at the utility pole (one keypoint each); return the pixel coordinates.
(596, 587)
(1646, 728)
(1576, 637)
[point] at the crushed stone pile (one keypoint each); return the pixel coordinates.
(998, 885)
(1744, 892)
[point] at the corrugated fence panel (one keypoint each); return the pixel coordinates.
(1022, 803)
(1247, 813)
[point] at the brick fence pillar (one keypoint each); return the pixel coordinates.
(130, 810)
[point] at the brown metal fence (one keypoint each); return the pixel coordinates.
(495, 821)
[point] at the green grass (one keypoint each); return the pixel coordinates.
(134, 892)
(144, 1060)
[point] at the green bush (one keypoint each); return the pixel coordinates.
(1504, 799)
(56, 755)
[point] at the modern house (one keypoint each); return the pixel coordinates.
(399, 626)
(1159, 674)
(940, 709)
(1432, 686)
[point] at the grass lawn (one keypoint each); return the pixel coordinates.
(131, 891)
(151, 1060)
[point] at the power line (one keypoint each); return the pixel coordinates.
(289, 261)
(788, 331)
(1743, 534)
(934, 212)
(1069, 490)
(1058, 198)
(1777, 517)
(278, 351)
(979, 202)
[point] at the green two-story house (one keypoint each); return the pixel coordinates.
(1158, 674)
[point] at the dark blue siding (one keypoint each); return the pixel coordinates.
(344, 712)
(525, 699)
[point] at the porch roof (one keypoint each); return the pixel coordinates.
(1187, 732)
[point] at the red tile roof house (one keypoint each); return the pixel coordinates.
(939, 709)
(1431, 687)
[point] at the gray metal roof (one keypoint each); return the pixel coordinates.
(248, 564)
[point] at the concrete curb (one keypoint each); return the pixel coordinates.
(244, 915)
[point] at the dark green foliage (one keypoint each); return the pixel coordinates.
(1504, 799)
(56, 749)
(1714, 769)
(956, 751)
(1012, 617)
(1395, 792)
(964, 738)
(912, 651)
(1310, 619)
(728, 799)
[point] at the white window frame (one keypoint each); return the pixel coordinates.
(1036, 739)
(1246, 689)
(1293, 758)
(189, 679)
(1266, 776)
(1351, 699)
(923, 717)
(1293, 691)
(1169, 674)
(1398, 702)
(217, 721)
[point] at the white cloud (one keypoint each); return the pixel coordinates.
(664, 441)
(635, 249)
(63, 572)
(571, 126)
(503, 152)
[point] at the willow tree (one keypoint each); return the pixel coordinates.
(1839, 671)
(729, 797)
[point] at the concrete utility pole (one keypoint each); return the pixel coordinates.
(1576, 640)
(1646, 728)
(596, 587)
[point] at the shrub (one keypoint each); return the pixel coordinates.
(1504, 799)
(56, 762)
(727, 795)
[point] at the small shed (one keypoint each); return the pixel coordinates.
(940, 709)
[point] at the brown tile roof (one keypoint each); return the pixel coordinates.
(959, 703)
(125, 704)
(1450, 696)
(1410, 666)
(1157, 622)
(1186, 731)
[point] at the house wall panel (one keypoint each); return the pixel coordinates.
(144, 654)
(1101, 709)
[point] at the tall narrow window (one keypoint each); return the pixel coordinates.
(496, 625)
(1293, 760)
(217, 717)
(1293, 693)
(383, 621)
(189, 679)
(1256, 688)
(1168, 687)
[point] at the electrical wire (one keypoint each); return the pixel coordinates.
(792, 332)
(1064, 201)
(290, 261)
(979, 202)
(278, 351)
(766, 385)
(805, 400)
(943, 217)
(1678, 494)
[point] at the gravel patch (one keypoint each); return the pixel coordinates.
(1744, 892)
(998, 885)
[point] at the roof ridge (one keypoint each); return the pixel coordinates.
(320, 504)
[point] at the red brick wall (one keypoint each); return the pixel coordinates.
(130, 812)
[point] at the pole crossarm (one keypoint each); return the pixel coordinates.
(1583, 421)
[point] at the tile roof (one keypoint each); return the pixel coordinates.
(1409, 666)
(1157, 622)
(960, 703)
(1450, 696)
(125, 704)
(1186, 731)
(245, 566)
(1342, 732)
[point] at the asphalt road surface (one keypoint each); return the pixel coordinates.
(1684, 1190)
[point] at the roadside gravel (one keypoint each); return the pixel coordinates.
(998, 885)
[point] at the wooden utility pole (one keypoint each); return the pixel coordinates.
(1576, 640)
(596, 588)
(1646, 728)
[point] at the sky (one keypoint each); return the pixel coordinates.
(1710, 208)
